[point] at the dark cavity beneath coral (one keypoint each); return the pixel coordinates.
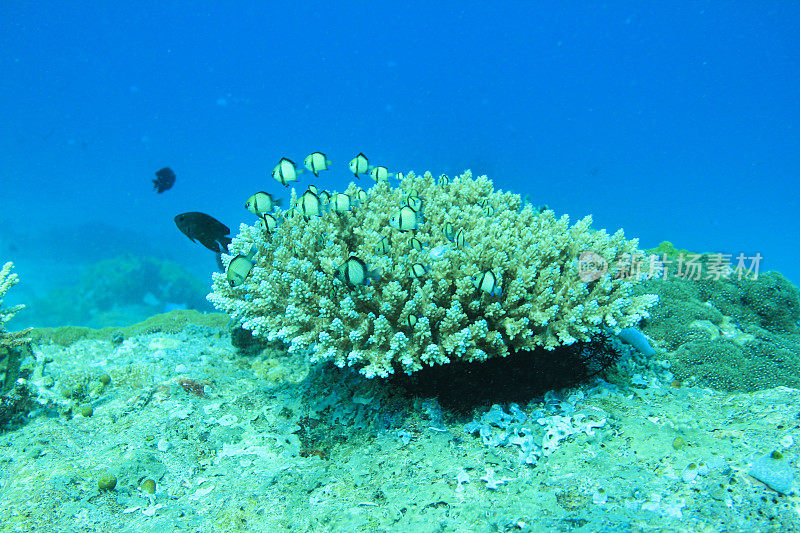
(461, 387)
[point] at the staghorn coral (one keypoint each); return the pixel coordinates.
(292, 293)
(8, 339)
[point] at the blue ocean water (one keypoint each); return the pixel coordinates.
(675, 121)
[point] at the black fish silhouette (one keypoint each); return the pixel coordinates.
(211, 233)
(165, 179)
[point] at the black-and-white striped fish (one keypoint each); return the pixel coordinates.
(359, 165)
(315, 162)
(261, 202)
(354, 272)
(418, 270)
(487, 282)
(380, 174)
(383, 247)
(405, 219)
(459, 238)
(270, 223)
(238, 270)
(285, 171)
(414, 202)
(310, 204)
(340, 202)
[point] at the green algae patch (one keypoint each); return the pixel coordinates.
(172, 322)
(666, 248)
(107, 481)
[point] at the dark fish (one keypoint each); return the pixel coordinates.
(211, 233)
(165, 180)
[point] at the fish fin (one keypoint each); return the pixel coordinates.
(375, 274)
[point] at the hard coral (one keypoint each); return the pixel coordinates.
(730, 334)
(8, 339)
(292, 292)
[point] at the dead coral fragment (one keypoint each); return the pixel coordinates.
(193, 387)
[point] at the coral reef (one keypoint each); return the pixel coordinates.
(121, 290)
(481, 275)
(730, 334)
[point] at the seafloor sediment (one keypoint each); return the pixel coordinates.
(201, 436)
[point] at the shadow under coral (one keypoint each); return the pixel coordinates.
(461, 387)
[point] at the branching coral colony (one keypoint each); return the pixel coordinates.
(7, 339)
(431, 271)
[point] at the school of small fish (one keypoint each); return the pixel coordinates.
(315, 203)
